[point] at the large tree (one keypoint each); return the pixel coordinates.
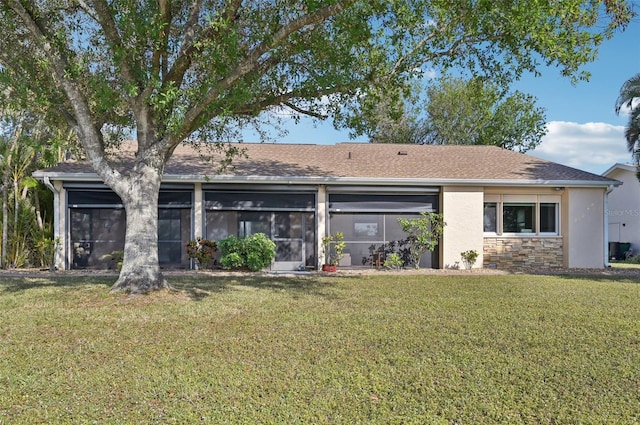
(186, 70)
(456, 111)
(629, 99)
(479, 112)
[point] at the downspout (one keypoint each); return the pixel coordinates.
(606, 226)
(56, 219)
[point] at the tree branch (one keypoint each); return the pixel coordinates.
(160, 52)
(89, 11)
(105, 19)
(252, 61)
(88, 133)
(305, 112)
(189, 45)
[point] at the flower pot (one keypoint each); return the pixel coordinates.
(329, 268)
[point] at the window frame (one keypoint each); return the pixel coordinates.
(556, 219)
(521, 206)
(500, 201)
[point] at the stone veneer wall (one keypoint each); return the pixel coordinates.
(514, 252)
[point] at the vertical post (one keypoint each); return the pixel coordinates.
(321, 230)
(59, 236)
(198, 207)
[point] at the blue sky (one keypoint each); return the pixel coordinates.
(583, 129)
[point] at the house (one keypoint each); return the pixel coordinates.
(623, 212)
(513, 209)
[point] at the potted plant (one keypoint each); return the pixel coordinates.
(334, 246)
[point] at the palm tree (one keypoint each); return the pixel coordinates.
(629, 98)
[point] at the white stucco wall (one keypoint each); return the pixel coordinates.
(624, 208)
(584, 237)
(463, 212)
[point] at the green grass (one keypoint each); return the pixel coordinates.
(385, 349)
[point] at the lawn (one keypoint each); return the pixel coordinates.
(378, 349)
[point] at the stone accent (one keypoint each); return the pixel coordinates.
(516, 252)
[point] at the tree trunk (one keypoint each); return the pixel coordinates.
(36, 201)
(5, 225)
(140, 267)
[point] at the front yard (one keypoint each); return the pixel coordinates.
(383, 348)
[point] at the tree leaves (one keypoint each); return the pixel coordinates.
(629, 98)
(464, 112)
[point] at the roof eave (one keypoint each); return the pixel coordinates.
(371, 181)
(365, 181)
(620, 166)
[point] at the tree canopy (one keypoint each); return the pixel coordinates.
(629, 98)
(465, 112)
(169, 71)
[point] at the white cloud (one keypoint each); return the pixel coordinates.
(593, 146)
(430, 74)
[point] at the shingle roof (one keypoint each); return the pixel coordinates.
(369, 161)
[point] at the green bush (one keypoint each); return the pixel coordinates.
(230, 250)
(254, 252)
(259, 251)
(232, 260)
(393, 261)
(469, 258)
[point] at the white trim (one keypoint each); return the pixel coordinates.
(535, 200)
(364, 181)
(619, 166)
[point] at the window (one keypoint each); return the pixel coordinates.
(250, 223)
(522, 215)
(518, 218)
(491, 217)
(549, 218)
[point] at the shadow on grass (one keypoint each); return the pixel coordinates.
(200, 287)
(195, 286)
(22, 283)
(598, 277)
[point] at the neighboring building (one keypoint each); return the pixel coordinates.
(513, 209)
(623, 212)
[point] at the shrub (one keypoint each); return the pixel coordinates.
(230, 249)
(255, 252)
(400, 247)
(394, 261)
(469, 258)
(115, 258)
(45, 251)
(233, 260)
(202, 251)
(423, 234)
(259, 251)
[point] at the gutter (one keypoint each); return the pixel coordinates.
(364, 181)
(606, 226)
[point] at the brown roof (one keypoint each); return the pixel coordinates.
(369, 161)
